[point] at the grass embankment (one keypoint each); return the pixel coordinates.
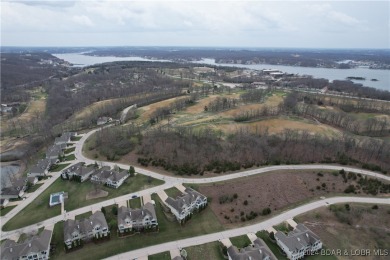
(240, 241)
(173, 192)
(161, 256)
(135, 203)
(201, 223)
(5, 210)
(206, 251)
(39, 210)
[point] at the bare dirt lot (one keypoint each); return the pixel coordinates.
(360, 227)
(275, 190)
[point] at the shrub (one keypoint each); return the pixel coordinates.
(266, 211)
(245, 202)
(375, 207)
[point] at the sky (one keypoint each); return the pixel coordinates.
(279, 24)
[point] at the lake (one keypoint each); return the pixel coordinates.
(383, 76)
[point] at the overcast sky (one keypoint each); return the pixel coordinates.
(310, 24)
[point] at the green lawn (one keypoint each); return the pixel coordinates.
(85, 215)
(70, 150)
(201, 223)
(34, 188)
(5, 210)
(173, 192)
(240, 241)
(284, 227)
(272, 245)
(206, 251)
(59, 167)
(75, 138)
(135, 203)
(70, 157)
(39, 209)
(161, 256)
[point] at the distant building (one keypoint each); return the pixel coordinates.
(299, 242)
(103, 120)
(110, 178)
(55, 151)
(79, 171)
(63, 139)
(257, 251)
(86, 229)
(16, 190)
(36, 247)
(137, 219)
(40, 169)
(183, 206)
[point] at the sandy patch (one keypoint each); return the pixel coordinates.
(96, 194)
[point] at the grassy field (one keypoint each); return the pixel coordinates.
(160, 256)
(70, 150)
(82, 216)
(59, 167)
(70, 157)
(135, 203)
(5, 210)
(241, 241)
(206, 251)
(34, 188)
(173, 192)
(39, 209)
(202, 223)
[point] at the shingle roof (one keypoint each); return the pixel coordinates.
(297, 239)
(184, 200)
(258, 251)
(136, 214)
(85, 225)
(108, 174)
(12, 250)
(41, 166)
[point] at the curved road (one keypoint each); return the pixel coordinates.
(171, 181)
(244, 230)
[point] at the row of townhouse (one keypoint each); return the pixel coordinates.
(299, 242)
(53, 154)
(186, 204)
(296, 245)
(16, 190)
(76, 231)
(105, 175)
(137, 219)
(36, 247)
(258, 250)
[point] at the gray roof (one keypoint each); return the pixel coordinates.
(106, 174)
(297, 239)
(258, 251)
(185, 199)
(136, 214)
(11, 191)
(12, 250)
(64, 138)
(85, 225)
(79, 169)
(41, 166)
(55, 150)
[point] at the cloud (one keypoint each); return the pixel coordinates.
(82, 20)
(342, 18)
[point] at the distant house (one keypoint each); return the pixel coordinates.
(103, 120)
(15, 191)
(36, 247)
(79, 171)
(183, 206)
(86, 229)
(111, 178)
(3, 202)
(63, 139)
(257, 251)
(137, 219)
(299, 242)
(40, 169)
(55, 151)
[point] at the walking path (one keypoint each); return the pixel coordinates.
(224, 235)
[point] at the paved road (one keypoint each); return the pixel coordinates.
(169, 182)
(172, 179)
(245, 230)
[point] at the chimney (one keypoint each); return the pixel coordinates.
(10, 249)
(29, 244)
